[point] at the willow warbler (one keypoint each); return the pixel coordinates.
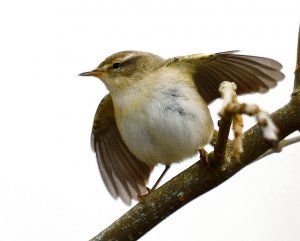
(156, 110)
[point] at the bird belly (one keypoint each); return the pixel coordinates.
(166, 128)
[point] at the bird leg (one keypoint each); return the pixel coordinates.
(141, 198)
(160, 177)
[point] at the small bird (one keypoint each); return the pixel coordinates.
(156, 110)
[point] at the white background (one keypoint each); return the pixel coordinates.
(50, 187)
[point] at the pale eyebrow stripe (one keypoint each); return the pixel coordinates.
(128, 57)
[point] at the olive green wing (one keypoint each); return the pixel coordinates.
(250, 73)
(123, 174)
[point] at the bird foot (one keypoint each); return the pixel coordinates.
(141, 198)
(203, 156)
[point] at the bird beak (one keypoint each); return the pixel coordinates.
(95, 72)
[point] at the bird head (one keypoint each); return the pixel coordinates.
(123, 69)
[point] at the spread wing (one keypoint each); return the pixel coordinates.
(123, 174)
(250, 73)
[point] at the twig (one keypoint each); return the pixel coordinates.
(238, 136)
(233, 109)
(227, 91)
(270, 130)
(282, 144)
(221, 141)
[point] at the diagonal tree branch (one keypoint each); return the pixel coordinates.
(200, 178)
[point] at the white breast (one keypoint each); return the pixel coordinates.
(163, 121)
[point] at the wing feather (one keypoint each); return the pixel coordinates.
(123, 174)
(251, 80)
(250, 73)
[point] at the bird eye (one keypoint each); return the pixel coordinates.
(116, 65)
